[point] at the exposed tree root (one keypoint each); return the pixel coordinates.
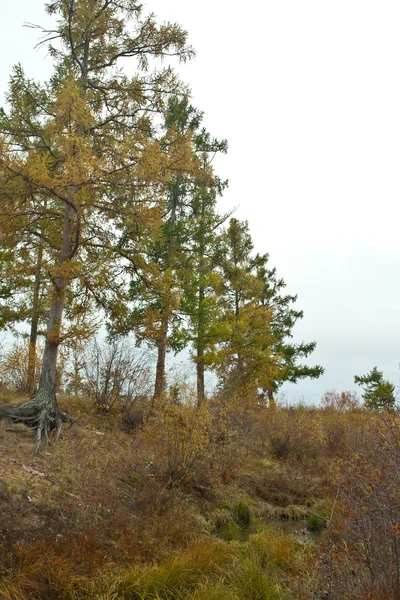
(40, 413)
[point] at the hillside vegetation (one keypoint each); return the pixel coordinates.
(232, 501)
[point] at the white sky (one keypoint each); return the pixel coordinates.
(308, 95)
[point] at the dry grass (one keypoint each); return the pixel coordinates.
(97, 514)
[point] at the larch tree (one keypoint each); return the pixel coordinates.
(23, 280)
(15, 287)
(256, 351)
(243, 356)
(83, 162)
(23, 259)
(170, 303)
(284, 317)
(199, 303)
(156, 290)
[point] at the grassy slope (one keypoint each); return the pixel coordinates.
(96, 516)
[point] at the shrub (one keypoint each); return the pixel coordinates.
(177, 437)
(14, 367)
(361, 558)
(343, 401)
(232, 433)
(293, 432)
(115, 373)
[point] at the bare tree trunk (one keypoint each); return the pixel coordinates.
(48, 374)
(240, 368)
(271, 399)
(159, 386)
(200, 343)
(200, 372)
(160, 382)
(201, 316)
(41, 411)
(30, 384)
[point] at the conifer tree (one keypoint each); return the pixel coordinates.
(243, 359)
(199, 302)
(169, 304)
(6, 294)
(156, 294)
(378, 392)
(256, 351)
(284, 318)
(22, 276)
(86, 145)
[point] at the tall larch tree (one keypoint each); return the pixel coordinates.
(156, 291)
(199, 301)
(22, 272)
(170, 304)
(90, 154)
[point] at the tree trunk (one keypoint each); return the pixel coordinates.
(201, 315)
(34, 322)
(200, 371)
(237, 306)
(240, 367)
(48, 374)
(200, 342)
(41, 411)
(271, 399)
(159, 386)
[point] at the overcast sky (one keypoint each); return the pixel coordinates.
(307, 93)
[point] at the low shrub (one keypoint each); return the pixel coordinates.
(38, 572)
(360, 557)
(293, 432)
(177, 438)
